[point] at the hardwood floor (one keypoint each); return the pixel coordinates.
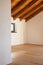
(27, 55)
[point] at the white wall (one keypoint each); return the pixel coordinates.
(35, 29)
(5, 32)
(28, 32)
(18, 37)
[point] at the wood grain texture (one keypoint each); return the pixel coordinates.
(34, 14)
(14, 3)
(21, 7)
(33, 11)
(27, 54)
(24, 7)
(28, 9)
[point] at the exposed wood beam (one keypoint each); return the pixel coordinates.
(28, 9)
(28, 14)
(33, 13)
(21, 7)
(14, 3)
(20, 12)
(17, 6)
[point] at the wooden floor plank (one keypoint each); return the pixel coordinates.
(27, 55)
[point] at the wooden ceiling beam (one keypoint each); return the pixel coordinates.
(33, 13)
(28, 9)
(17, 6)
(14, 3)
(21, 7)
(20, 12)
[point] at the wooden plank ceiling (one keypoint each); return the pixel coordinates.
(25, 9)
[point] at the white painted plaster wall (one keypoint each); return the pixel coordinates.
(28, 32)
(35, 29)
(18, 37)
(5, 40)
